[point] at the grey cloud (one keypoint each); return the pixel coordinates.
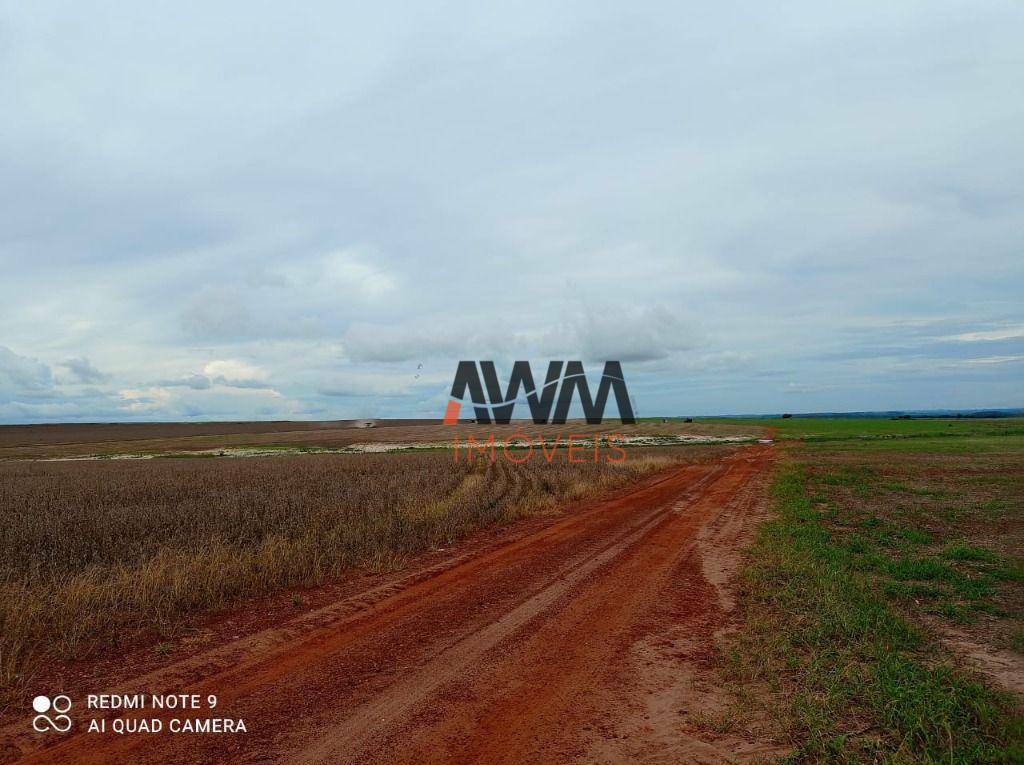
(83, 371)
(646, 334)
(218, 313)
(29, 393)
(613, 332)
(193, 381)
(364, 342)
(311, 294)
(204, 382)
(232, 383)
(359, 392)
(22, 375)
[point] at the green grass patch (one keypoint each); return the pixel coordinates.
(864, 683)
(973, 553)
(812, 429)
(915, 536)
(924, 568)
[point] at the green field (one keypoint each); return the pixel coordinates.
(839, 429)
(896, 547)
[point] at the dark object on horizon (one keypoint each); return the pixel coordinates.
(988, 414)
(688, 419)
(786, 416)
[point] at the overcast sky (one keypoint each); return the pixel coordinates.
(312, 211)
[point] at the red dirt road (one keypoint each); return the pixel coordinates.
(582, 641)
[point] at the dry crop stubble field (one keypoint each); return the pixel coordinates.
(48, 441)
(536, 620)
(98, 555)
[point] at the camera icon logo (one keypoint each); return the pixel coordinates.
(57, 719)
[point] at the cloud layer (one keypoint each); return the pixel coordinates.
(294, 215)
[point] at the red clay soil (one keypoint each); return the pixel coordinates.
(578, 642)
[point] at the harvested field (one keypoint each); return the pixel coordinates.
(96, 553)
(47, 441)
(583, 637)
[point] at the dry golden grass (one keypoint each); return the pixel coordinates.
(92, 553)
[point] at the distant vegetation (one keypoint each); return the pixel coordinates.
(874, 428)
(913, 414)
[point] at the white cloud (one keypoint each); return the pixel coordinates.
(990, 335)
(146, 400)
(995, 360)
(217, 402)
(234, 371)
(349, 272)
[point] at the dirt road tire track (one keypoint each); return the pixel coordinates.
(518, 654)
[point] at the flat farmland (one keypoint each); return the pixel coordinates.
(51, 441)
(100, 555)
(849, 592)
(368, 590)
(884, 603)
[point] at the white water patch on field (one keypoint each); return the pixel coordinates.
(382, 447)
